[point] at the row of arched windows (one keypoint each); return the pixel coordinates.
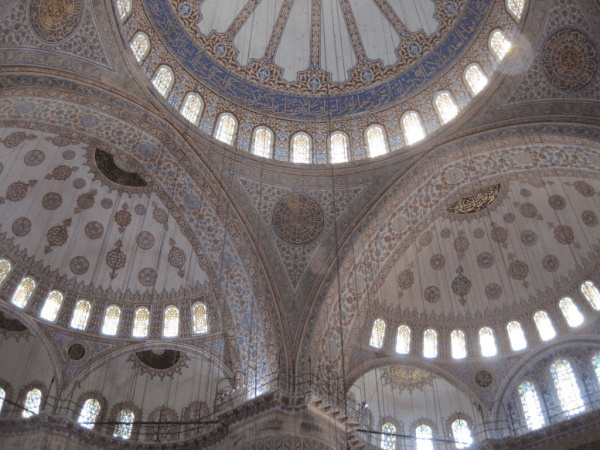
(461, 433)
(487, 341)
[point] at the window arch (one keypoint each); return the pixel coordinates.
(544, 325)
(2, 397)
(140, 46)
(111, 320)
(51, 306)
(81, 315)
(532, 409)
(301, 148)
(192, 107)
(591, 294)
(89, 413)
(5, 268)
(163, 80)
(566, 386)
(458, 344)
(200, 318)
(338, 147)
(124, 8)
(376, 141)
(462, 433)
(403, 340)
(515, 7)
(571, 312)
(124, 429)
(516, 336)
(388, 442)
(430, 343)
(424, 436)
(499, 44)
(171, 322)
(141, 321)
(445, 106)
(378, 333)
(33, 400)
(475, 79)
(596, 364)
(487, 342)
(262, 142)
(413, 127)
(226, 128)
(23, 292)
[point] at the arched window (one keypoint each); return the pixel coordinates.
(140, 45)
(499, 44)
(516, 335)
(412, 127)
(515, 7)
(51, 306)
(163, 80)
(571, 312)
(430, 343)
(458, 344)
(445, 106)
(89, 413)
(32, 403)
(2, 397)
(475, 78)
(226, 128)
(111, 320)
(262, 142)
(301, 148)
(388, 442)
(403, 340)
(531, 406)
(141, 322)
(5, 267)
(23, 292)
(81, 315)
(462, 433)
(338, 147)
(566, 387)
(200, 318)
(124, 8)
(487, 342)
(591, 294)
(424, 436)
(192, 107)
(376, 142)
(124, 429)
(544, 325)
(596, 364)
(171, 324)
(378, 333)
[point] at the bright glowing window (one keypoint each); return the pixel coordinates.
(171, 323)
(89, 413)
(475, 78)
(32, 403)
(141, 321)
(515, 7)
(376, 142)
(458, 344)
(516, 335)
(544, 325)
(430, 343)
(163, 80)
(403, 340)
(111, 320)
(301, 148)
(81, 315)
(532, 408)
(424, 436)
(262, 142)
(596, 364)
(388, 442)
(571, 312)
(200, 318)
(487, 342)
(591, 294)
(378, 333)
(124, 8)
(5, 267)
(23, 292)
(51, 306)
(445, 106)
(462, 433)
(2, 397)
(338, 147)
(499, 44)
(412, 127)
(124, 429)
(140, 45)
(226, 127)
(566, 386)
(192, 107)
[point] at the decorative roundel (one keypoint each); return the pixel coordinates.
(432, 294)
(76, 352)
(94, 230)
(21, 227)
(145, 240)
(55, 20)
(52, 201)
(79, 265)
(483, 378)
(569, 59)
(147, 276)
(34, 157)
(298, 219)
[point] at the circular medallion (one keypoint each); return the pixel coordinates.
(437, 261)
(106, 203)
(34, 157)
(55, 20)
(147, 276)
(79, 265)
(432, 294)
(550, 263)
(529, 238)
(483, 378)
(79, 183)
(589, 218)
(52, 201)
(94, 230)
(76, 352)
(21, 227)
(493, 291)
(68, 155)
(145, 240)
(298, 219)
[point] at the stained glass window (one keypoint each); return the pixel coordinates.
(163, 80)
(388, 442)
(475, 78)
(111, 320)
(226, 127)
(171, 325)
(192, 107)
(516, 335)
(458, 344)
(2, 397)
(378, 333)
(200, 318)
(32, 403)
(140, 46)
(124, 8)
(515, 7)
(424, 436)
(487, 342)
(89, 413)
(430, 343)
(462, 433)
(566, 386)
(532, 408)
(124, 429)
(262, 144)
(81, 315)
(499, 44)
(571, 312)
(544, 325)
(403, 340)
(596, 364)
(338, 146)
(141, 322)
(51, 306)
(590, 292)
(23, 292)
(5, 267)
(376, 142)
(412, 127)
(301, 149)
(446, 108)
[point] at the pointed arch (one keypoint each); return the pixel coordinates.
(124, 9)
(424, 434)
(89, 413)
(487, 342)
(591, 294)
(412, 126)
(124, 429)
(544, 325)
(445, 106)
(23, 292)
(226, 128)
(171, 322)
(163, 80)
(112, 318)
(458, 344)
(52, 306)
(571, 312)
(499, 44)
(430, 343)
(262, 142)
(403, 340)
(462, 433)
(475, 78)
(5, 268)
(301, 148)
(141, 322)
(376, 141)
(32, 403)
(200, 318)
(516, 336)
(532, 409)
(81, 314)
(338, 147)
(566, 387)
(192, 107)
(377, 333)
(140, 46)
(515, 8)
